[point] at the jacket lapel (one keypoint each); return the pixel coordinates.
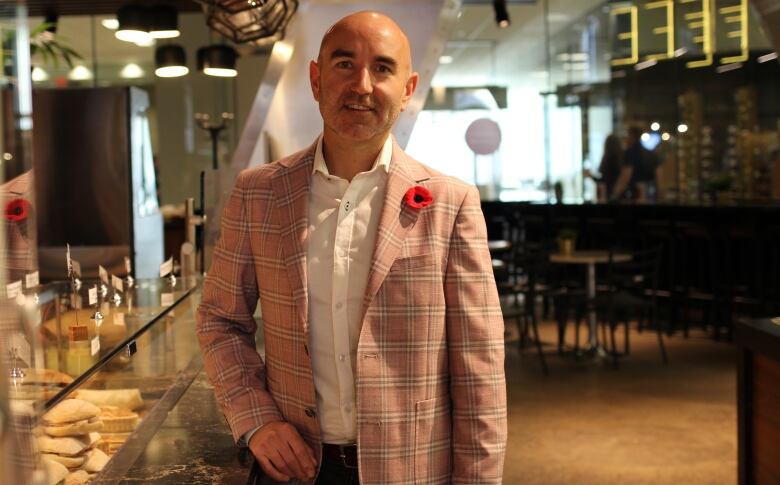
(395, 222)
(291, 187)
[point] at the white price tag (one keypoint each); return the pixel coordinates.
(93, 296)
(103, 274)
(116, 282)
(119, 318)
(95, 345)
(166, 267)
(166, 299)
(32, 280)
(76, 268)
(128, 265)
(13, 289)
(68, 262)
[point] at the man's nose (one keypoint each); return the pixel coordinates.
(363, 83)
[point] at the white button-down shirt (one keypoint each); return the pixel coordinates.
(343, 222)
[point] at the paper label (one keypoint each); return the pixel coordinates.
(95, 343)
(76, 268)
(119, 318)
(13, 289)
(117, 282)
(103, 274)
(68, 262)
(32, 280)
(166, 267)
(166, 299)
(128, 265)
(93, 296)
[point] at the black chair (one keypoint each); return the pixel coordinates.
(631, 293)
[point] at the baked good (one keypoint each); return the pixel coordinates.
(96, 460)
(123, 398)
(46, 376)
(55, 472)
(65, 446)
(111, 442)
(79, 477)
(67, 461)
(76, 428)
(118, 420)
(70, 411)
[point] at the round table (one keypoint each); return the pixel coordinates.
(590, 258)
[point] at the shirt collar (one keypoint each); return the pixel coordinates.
(382, 160)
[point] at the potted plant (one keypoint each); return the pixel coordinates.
(566, 238)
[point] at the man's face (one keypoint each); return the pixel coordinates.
(362, 79)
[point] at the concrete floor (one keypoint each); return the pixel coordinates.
(644, 423)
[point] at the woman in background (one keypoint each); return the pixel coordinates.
(609, 169)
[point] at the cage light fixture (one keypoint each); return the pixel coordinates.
(502, 14)
(258, 21)
(170, 60)
(217, 60)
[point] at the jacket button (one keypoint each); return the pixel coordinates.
(310, 412)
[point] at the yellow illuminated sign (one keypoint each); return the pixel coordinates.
(631, 35)
(737, 14)
(667, 29)
(701, 20)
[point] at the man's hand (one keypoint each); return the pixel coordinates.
(282, 453)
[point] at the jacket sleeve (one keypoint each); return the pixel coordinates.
(475, 333)
(226, 327)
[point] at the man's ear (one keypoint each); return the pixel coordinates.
(314, 79)
(411, 85)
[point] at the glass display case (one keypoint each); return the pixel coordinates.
(95, 381)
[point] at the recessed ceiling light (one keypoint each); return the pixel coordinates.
(666, 137)
(80, 73)
(445, 60)
(682, 128)
(655, 126)
(767, 57)
(39, 75)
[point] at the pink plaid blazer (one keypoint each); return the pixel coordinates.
(430, 388)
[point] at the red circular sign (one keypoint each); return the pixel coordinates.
(483, 136)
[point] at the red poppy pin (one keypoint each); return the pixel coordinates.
(17, 210)
(418, 197)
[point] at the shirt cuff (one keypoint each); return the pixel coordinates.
(244, 440)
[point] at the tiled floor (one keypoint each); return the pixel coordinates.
(644, 423)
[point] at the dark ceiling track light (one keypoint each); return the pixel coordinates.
(164, 22)
(217, 60)
(502, 14)
(170, 60)
(258, 21)
(133, 24)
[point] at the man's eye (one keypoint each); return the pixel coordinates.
(383, 69)
(344, 64)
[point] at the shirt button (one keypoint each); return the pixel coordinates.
(342, 357)
(339, 305)
(310, 412)
(347, 408)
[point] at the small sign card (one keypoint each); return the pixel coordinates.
(95, 344)
(166, 267)
(166, 299)
(76, 268)
(32, 280)
(117, 282)
(103, 274)
(119, 318)
(128, 265)
(93, 296)
(13, 289)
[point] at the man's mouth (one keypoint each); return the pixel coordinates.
(357, 107)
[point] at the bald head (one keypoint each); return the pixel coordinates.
(368, 25)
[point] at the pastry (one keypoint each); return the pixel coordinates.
(118, 420)
(77, 428)
(66, 446)
(55, 471)
(70, 411)
(123, 398)
(67, 461)
(78, 477)
(96, 460)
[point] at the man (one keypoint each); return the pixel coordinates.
(383, 332)
(640, 170)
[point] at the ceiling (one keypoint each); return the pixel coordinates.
(40, 8)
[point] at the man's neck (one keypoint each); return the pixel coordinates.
(346, 158)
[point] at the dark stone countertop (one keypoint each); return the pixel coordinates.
(193, 446)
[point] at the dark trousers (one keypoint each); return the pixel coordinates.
(332, 472)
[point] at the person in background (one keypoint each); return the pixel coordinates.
(640, 169)
(609, 168)
(383, 333)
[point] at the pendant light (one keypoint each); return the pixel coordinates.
(133, 24)
(217, 60)
(249, 20)
(170, 60)
(164, 21)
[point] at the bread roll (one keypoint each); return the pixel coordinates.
(79, 477)
(118, 420)
(123, 398)
(67, 461)
(66, 446)
(96, 460)
(70, 411)
(55, 472)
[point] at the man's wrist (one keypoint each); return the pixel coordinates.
(244, 440)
